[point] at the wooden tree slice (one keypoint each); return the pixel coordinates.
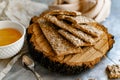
(42, 50)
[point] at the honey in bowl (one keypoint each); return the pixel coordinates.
(8, 36)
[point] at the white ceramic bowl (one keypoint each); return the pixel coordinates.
(12, 49)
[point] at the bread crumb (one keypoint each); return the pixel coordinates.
(113, 71)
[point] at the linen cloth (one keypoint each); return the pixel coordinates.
(20, 11)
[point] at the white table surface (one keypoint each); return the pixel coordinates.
(97, 73)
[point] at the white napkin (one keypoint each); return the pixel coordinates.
(20, 11)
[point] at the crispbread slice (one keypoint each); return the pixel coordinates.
(98, 26)
(58, 43)
(83, 19)
(60, 12)
(40, 40)
(34, 19)
(68, 27)
(89, 29)
(67, 18)
(75, 19)
(64, 12)
(73, 39)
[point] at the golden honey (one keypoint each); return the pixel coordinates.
(8, 36)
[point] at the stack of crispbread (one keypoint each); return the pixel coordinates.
(66, 41)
